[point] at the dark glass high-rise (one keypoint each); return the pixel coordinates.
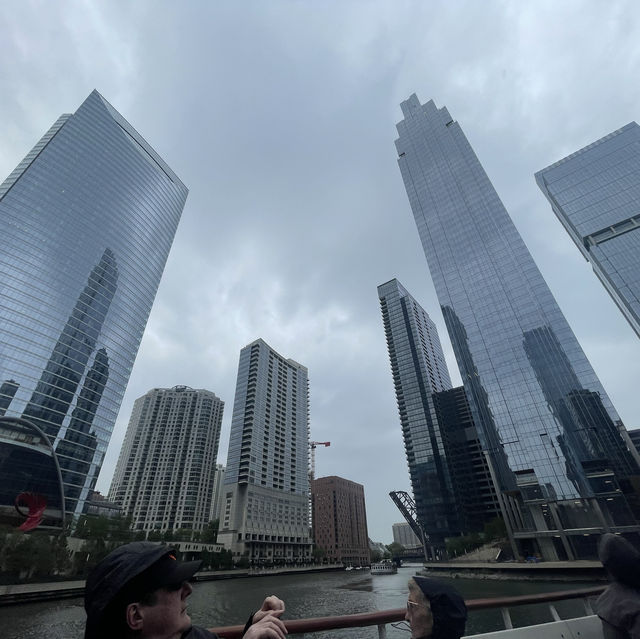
(449, 476)
(87, 219)
(560, 456)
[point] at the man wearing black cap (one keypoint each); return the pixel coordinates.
(434, 610)
(140, 590)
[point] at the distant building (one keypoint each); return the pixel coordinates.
(340, 520)
(165, 473)
(403, 535)
(265, 510)
(88, 218)
(100, 506)
(377, 546)
(595, 193)
(218, 491)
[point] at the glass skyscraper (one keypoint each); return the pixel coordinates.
(419, 370)
(87, 218)
(595, 193)
(450, 480)
(560, 456)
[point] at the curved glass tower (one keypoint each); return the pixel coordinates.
(560, 456)
(87, 219)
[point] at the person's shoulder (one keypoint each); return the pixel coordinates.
(195, 632)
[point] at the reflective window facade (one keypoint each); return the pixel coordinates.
(450, 479)
(419, 370)
(543, 416)
(164, 479)
(595, 193)
(87, 218)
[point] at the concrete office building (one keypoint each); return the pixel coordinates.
(595, 193)
(265, 508)
(560, 457)
(403, 535)
(166, 468)
(340, 520)
(87, 218)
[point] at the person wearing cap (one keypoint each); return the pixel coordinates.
(619, 605)
(140, 590)
(434, 610)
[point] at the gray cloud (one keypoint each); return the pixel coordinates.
(280, 118)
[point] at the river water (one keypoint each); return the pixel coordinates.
(230, 601)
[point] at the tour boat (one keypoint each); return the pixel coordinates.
(384, 568)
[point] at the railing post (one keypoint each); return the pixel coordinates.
(382, 631)
(554, 613)
(506, 618)
(587, 606)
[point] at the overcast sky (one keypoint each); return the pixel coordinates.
(280, 118)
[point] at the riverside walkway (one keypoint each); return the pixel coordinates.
(547, 570)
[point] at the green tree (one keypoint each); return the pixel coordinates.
(156, 535)
(210, 533)
(495, 529)
(318, 554)
(183, 534)
(395, 549)
(376, 555)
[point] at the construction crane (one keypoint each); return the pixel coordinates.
(313, 446)
(407, 507)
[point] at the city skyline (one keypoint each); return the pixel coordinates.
(296, 210)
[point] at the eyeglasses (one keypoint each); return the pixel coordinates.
(414, 603)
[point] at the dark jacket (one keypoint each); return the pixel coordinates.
(619, 605)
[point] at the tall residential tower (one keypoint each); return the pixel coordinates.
(560, 456)
(87, 218)
(419, 371)
(164, 479)
(265, 505)
(595, 193)
(450, 479)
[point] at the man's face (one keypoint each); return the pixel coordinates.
(168, 617)
(419, 617)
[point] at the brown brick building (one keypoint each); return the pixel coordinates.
(340, 520)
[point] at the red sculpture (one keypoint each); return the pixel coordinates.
(37, 504)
